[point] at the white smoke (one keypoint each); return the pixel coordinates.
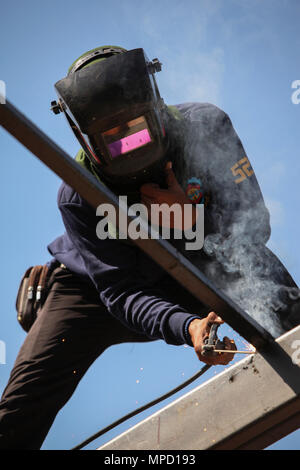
(250, 288)
(235, 257)
(253, 277)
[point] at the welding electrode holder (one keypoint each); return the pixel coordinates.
(212, 342)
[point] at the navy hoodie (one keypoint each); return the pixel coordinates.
(133, 288)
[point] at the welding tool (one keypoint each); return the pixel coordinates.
(212, 344)
(233, 351)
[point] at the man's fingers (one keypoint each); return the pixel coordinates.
(212, 317)
(227, 357)
(216, 359)
(171, 179)
(170, 176)
(147, 200)
(150, 190)
(229, 344)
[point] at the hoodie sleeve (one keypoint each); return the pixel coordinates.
(124, 283)
(235, 206)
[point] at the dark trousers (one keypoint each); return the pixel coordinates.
(72, 330)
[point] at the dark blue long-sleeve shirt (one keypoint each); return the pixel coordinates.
(129, 283)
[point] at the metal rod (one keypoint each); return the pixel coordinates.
(269, 409)
(233, 352)
(162, 252)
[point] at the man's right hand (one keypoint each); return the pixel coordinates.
(199, 332)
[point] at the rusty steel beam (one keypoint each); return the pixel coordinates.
(162, 252)
(249, 405)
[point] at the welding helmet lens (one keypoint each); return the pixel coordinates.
(127, 137)
(115, 110)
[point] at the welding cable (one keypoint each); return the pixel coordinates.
(143, 408)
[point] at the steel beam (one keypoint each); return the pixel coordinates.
(249, 405)
(162, 252)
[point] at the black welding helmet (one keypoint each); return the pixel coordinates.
(112, 103)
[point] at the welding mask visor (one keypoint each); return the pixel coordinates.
(116, 112)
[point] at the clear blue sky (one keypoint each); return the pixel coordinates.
(241, 55)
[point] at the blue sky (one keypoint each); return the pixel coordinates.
(241, 55)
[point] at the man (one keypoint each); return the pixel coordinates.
(103, 292)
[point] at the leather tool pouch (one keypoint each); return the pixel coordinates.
(31, 295)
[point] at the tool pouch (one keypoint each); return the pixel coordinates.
(31, 295)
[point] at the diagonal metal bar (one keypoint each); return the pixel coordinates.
(247, 406)
(162, 252)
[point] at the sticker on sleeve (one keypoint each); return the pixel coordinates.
(194, 191)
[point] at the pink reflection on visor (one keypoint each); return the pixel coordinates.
(129, 143)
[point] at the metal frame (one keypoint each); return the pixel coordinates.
(248, 406)
(268, 422)
(162, 252)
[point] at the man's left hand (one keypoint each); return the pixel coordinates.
(151, 193)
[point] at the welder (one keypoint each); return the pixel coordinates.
(105, 292)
